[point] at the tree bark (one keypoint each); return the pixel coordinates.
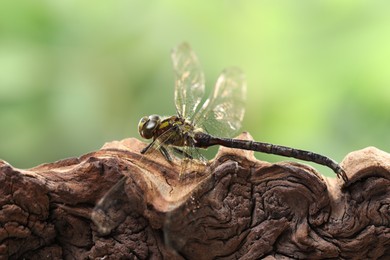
(235, 207)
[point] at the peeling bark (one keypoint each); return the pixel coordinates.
(234, 207)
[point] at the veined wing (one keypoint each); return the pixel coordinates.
(112, 209)
(186, 152)
(223, 112)
(109, 212)
(189, 80)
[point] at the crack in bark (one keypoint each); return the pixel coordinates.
(235, 207)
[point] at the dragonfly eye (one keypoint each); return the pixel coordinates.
(147, 126)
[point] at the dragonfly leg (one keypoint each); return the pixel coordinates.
(144, 150)
(162, 150)
(165, 153)
(181, 152)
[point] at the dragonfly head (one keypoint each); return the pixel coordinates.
(148, 125)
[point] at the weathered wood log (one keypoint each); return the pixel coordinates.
(236, 207)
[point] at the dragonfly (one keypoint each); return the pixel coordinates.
(196, 127)
(220, 115)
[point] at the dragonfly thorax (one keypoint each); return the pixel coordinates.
(177, 130)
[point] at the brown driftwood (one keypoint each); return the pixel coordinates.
(234, 208)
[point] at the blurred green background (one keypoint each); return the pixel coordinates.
(76, 74)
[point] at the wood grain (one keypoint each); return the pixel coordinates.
(235, 207)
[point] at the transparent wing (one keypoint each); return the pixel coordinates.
(185, 153)
(224, 110)
(109, 212)
(189, 80)
(161, 140)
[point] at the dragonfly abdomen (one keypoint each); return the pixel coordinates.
(205, 141)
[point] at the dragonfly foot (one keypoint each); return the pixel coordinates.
(146, 148)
